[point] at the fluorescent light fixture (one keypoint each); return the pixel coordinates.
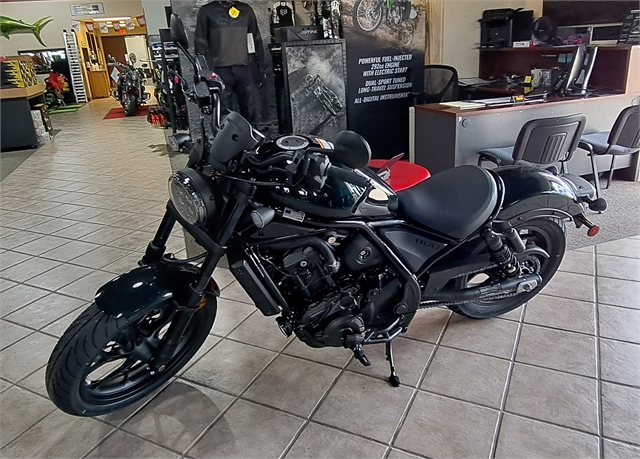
(124, 18)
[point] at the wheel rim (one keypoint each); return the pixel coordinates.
(368, 15)
(121, 370)
(407, 34)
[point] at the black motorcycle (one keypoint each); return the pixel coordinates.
(130, 91)
(399, 15)
(319, 242)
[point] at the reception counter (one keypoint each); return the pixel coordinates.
(446, 137)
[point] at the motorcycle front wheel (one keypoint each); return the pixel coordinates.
(367, 15)
(129, 104)
(101, 363)
(544, 233)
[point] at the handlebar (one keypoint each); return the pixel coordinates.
(339, 173)
(347, 176)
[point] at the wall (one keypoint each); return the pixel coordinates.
(31, 11)
(461, 34)
(155, 15)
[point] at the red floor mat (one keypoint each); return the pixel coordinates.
(119, 112)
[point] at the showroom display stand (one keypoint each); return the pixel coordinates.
(286, 63)
(167, 62)
(17, 130)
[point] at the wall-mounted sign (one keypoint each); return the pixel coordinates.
(141, 20)
(385, 61)
(103, 27)
(75, 26)
(89, 26)
(130, 25)
(86, 9)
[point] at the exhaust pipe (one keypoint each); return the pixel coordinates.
(520, 285)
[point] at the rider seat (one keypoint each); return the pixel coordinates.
(455, 202)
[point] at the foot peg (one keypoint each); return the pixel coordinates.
(359, 354)
(354, 342)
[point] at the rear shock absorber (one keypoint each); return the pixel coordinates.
(501, 253)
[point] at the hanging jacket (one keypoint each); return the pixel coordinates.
(223, 38)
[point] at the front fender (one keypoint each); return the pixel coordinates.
(535, 193)
(143, 289)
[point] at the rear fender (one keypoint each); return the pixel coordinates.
(531, 193)
(143, 289)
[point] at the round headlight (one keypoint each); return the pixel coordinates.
(191, 195)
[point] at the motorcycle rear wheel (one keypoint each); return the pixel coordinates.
(78, 378)
(544, 233)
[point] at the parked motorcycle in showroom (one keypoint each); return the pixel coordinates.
(320, 243)
(130, 91)
(399, 15)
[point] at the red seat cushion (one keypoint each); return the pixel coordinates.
(403, 173)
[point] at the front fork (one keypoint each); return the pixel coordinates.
(155, 251)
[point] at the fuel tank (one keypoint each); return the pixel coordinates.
(337, 199)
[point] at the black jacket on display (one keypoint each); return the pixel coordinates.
(222, 38)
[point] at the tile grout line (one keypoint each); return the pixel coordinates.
(597, 354)
(315, 409)
(423, 375)
(237, 397)
(505, 392)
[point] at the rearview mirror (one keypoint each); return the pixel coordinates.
(352, 150)
(178, 34)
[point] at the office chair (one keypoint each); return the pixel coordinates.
(440, 85)
(623, 139)
(541, 143)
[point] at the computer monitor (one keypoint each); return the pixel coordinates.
(577, 79)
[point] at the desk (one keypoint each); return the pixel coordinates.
(493, 89)
(447, 137)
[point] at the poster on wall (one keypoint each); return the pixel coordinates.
(89, 26)
(141, 21)
(385, 58)
(103, 27)
(75, 26)
(316, 87)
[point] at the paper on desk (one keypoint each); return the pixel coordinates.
(462, 105)
(472, 81)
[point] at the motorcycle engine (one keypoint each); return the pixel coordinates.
(328, 306)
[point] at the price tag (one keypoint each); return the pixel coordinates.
(234, 12)
(251, 46)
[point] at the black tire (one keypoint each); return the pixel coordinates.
(358, 8)
(129, 104)
(70, 364)
(546, 234)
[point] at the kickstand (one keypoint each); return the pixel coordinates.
(394, 380)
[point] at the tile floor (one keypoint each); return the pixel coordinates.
(558, 378)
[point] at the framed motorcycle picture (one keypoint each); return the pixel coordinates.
(315, 86)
